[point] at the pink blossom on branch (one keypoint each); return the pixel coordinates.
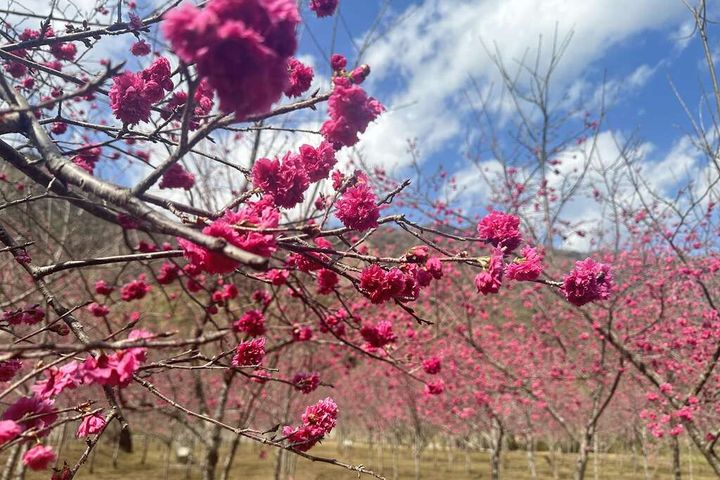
(58, 379)
(8, 369)
(321, 417)
(301, 77)
(286, 181)
(177, 177)
(327, 280)
(30, 315)
(102, 288)
(500, 230)
(140, 48)
(588, 281)
(435, 388)
(351, 111)
(379, 335)
(357, 207)
(431, 365)
(90, 425)
(32, 413)
(249, 353)
(129, 100)
(240, 47)
(9, 430)
(527, 268)
(490, 280)
(115, 369)
(252, 322)
(323, 8)
(260, 214)
(135, 290)
(63, 51)
(306, 382)
(338, 62)
(381, 285)
(133, 94)
(98, 310)
(39, 457)
(318, 420)
(318, 161)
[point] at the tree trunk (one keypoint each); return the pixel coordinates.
(498, 436)
(643, 449)
(145, 449)
(168, 453)
(596, 458)
(690, 459)
(230, 458)
(212, 449)
(417, 454)
(278, 464)
(19, 473)
(213, 437)
(676, 468)
(395, 460)
(10, 462)
(530, 449)
(116, 453)
(467, 459)
(581, 462)
(555, 461)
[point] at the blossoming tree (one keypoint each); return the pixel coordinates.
(118, 289)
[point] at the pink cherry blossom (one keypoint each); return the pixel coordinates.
(39, 457)
(249, 353)
(500, 230)
(301, 77)
(589, 281)
(90, 425)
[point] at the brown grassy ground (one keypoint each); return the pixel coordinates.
(251, 464)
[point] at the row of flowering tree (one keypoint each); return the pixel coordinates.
(237, 304)
(134, 294)
(647, 357)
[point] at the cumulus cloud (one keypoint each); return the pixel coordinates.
(605, 160)
(439, 45)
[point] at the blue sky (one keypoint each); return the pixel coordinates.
(422, 66)
(651, 39)
(424, 53)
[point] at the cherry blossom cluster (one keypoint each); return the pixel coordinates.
(225, 37)
(133, 94)
(203, 105)
(61, 51)
(317, 421)
(300, 78)
(33, 416)
(249, 353)
(401, 283)
(589, 281)
(87, 157)
(357, 206)
(259, 215)
(323, 8)
(306, 382)
(30, 315)
(349, 107)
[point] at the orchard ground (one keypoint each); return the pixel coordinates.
(442, 463)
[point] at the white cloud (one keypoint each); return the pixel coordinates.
(439, 45)
(681, 165)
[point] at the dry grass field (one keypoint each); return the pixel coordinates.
(253, 463)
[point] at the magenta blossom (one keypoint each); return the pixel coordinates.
(39, 457)
(90, 425)
(500, 230)
(589, 281)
